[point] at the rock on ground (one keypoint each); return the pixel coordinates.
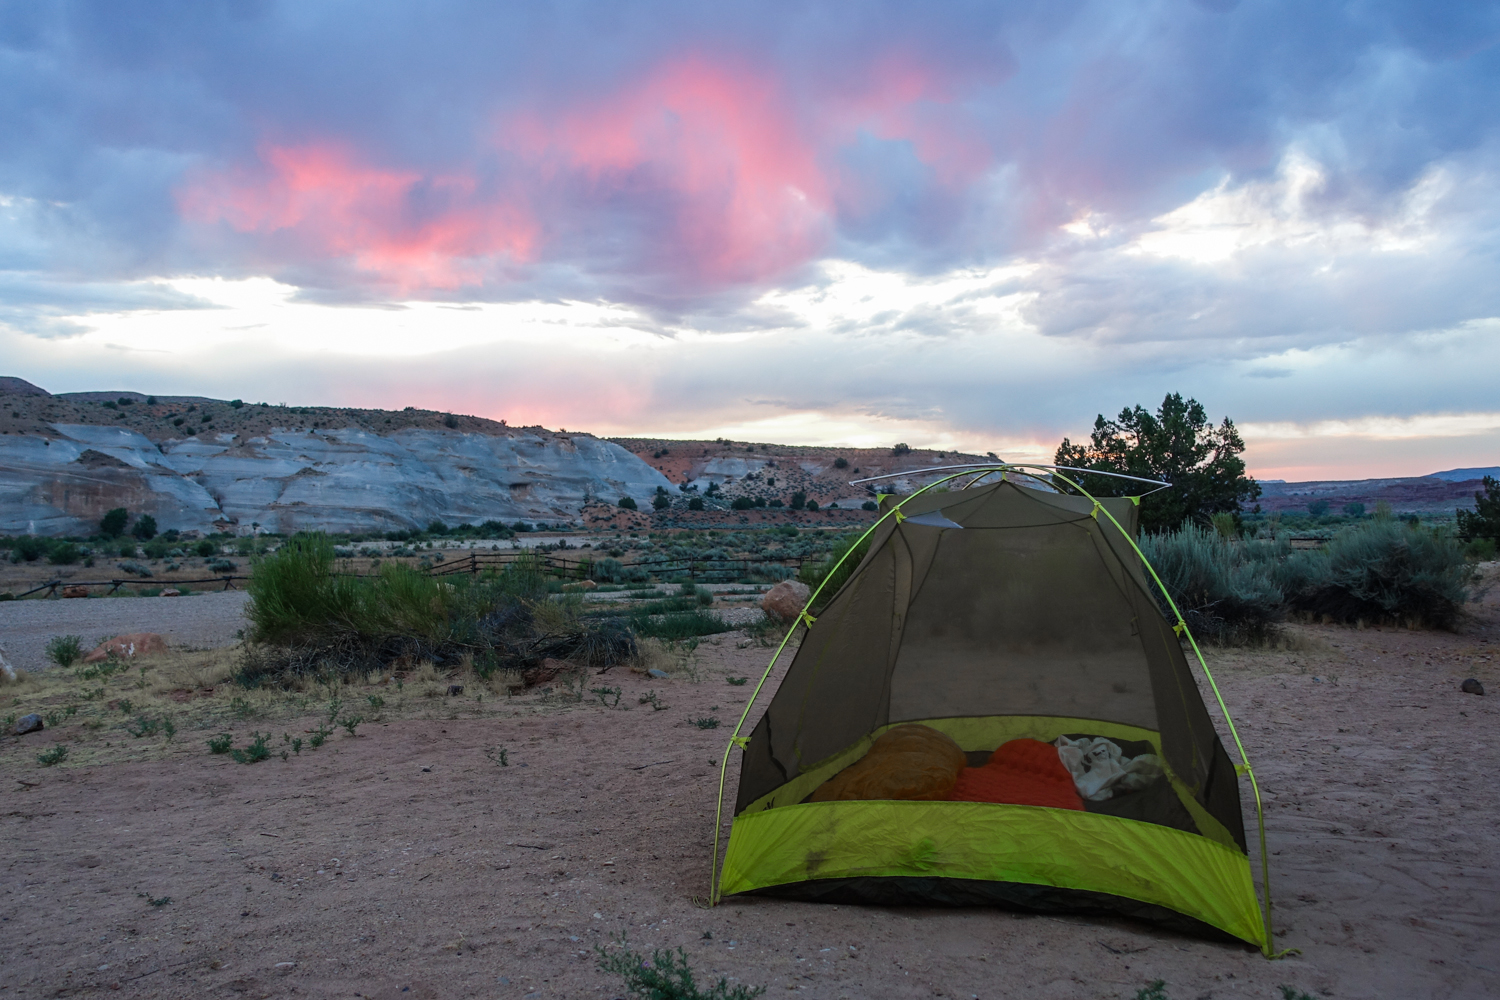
(785, 601)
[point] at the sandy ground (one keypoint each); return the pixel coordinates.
(406, 863)
(199, 621)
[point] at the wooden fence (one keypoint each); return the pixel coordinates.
(577, 567)
(114, 585)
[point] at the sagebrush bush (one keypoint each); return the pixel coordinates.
(307, 619)
(1383, 571)
(1227, 590)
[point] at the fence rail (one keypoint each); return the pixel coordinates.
(578, 568)
(114, 585)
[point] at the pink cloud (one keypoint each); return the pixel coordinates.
(718, 146)
(409, 230)
(721, 175)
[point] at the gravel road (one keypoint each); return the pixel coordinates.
(202, 620)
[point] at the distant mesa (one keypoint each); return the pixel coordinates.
(1466, 475)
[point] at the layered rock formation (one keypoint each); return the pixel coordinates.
(206, 465)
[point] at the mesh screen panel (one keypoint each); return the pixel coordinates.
(1032, 608)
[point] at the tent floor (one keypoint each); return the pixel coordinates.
(1018, 896)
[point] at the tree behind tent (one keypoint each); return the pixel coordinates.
(1177, 445)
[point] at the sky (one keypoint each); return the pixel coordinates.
(970, 225)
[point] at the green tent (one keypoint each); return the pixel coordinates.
(994, 613)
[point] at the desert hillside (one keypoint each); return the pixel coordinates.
(206, 465)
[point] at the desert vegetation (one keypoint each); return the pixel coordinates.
(306, 619)
(1233, 590)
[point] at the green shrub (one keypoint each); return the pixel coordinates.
(56, 755)
(144, 527)
(27, 548)
(63, 554)
(869, 505)
(666, 976)
(627, 503)
(255, 752)
(696, 503)
(307, 620)
(206, 548)
(65, 650)
(1383, 570)
(678, 625)
(1227, 591)
(742, 503)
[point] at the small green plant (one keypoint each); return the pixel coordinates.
(1288, 993)
(93, 694)
(376, 702)
(708, 722)
(498, 755)
(334, 705)
(56, 755)
(220, 743)
(65, 650)
(124, 706)
(159, 900)
(608, 697)
(256, 752)
(241, 707)
(319, 736)
(144, 727)
(1153, 991)
(53, 719)
(650, 698)
(666, 976)
(168, 728)
(350, 722)
(737, 681)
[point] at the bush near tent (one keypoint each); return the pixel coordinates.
(307, 620)
(1227, 591)
(1382, 571)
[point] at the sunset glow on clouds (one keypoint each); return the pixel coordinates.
(959, 226)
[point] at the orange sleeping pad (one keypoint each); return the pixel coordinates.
(1022, 772)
